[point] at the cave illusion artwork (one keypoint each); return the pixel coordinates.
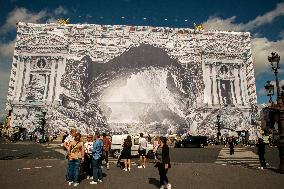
(132, 79)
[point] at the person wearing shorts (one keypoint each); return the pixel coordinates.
(142, 151)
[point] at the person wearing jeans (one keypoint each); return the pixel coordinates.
(76, 154)
(74, 170)
(97, 151)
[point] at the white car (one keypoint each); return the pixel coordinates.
(117, 143)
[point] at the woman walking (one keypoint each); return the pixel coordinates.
(75, 157)
(163, 162)
(127, 153)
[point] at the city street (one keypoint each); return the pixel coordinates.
(31, 165)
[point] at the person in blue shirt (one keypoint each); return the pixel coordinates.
(97, 152)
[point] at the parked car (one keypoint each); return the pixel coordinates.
(117, 142)
(192, 141)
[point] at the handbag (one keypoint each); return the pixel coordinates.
(67, 155)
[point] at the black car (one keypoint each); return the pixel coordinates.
(192, 141)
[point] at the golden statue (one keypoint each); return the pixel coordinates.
(63, 21)
(198, 27)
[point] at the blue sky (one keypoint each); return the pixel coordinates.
(263, 18)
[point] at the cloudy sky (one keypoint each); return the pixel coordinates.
(263, 18)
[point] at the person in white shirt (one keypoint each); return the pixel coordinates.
(88, 168)
(142, 151)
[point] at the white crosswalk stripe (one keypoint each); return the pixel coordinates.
(240, 156)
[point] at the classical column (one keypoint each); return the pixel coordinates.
(208, 76)
(52, 81)
(243, 96)
(21, 96)
(232, 92)
(60, 72)
(57, 79)
(27, 78)
(245, 87)
(215, 95)
(207, 82)
(237, 85)
(19, 78)
(47, 75)
(219, 92)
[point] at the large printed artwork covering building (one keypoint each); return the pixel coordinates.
(132, 79)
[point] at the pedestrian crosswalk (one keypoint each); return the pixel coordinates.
(241, 156)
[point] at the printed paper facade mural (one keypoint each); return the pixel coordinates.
(132, 79)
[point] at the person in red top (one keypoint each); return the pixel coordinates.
(107, 144)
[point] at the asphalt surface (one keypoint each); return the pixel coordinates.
(271, 155)
(31, 165)
(27, 150)
(208, 154)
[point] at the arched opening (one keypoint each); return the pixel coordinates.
(143, 89)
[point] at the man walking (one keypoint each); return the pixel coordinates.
(142, 151)
(97, 151)
(107, 144)
(261, 152)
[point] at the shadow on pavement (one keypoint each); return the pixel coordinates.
(154, 182)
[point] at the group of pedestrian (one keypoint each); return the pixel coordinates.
(89, 154)
(162, 157)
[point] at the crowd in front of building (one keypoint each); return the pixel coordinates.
(85, 159)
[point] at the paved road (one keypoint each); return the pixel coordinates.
(30, 165)
(27, 150)
(49, 174)
(195, 155)
(271, 155)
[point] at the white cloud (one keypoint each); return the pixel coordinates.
(217, 23)
(24, 15)
(6, 50)
(60, 11)
(266, 18)
(21, 15)
(261, 49)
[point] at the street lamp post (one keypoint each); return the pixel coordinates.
(278, 108)
(274, 60)
(218, 128)
(270, 91)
